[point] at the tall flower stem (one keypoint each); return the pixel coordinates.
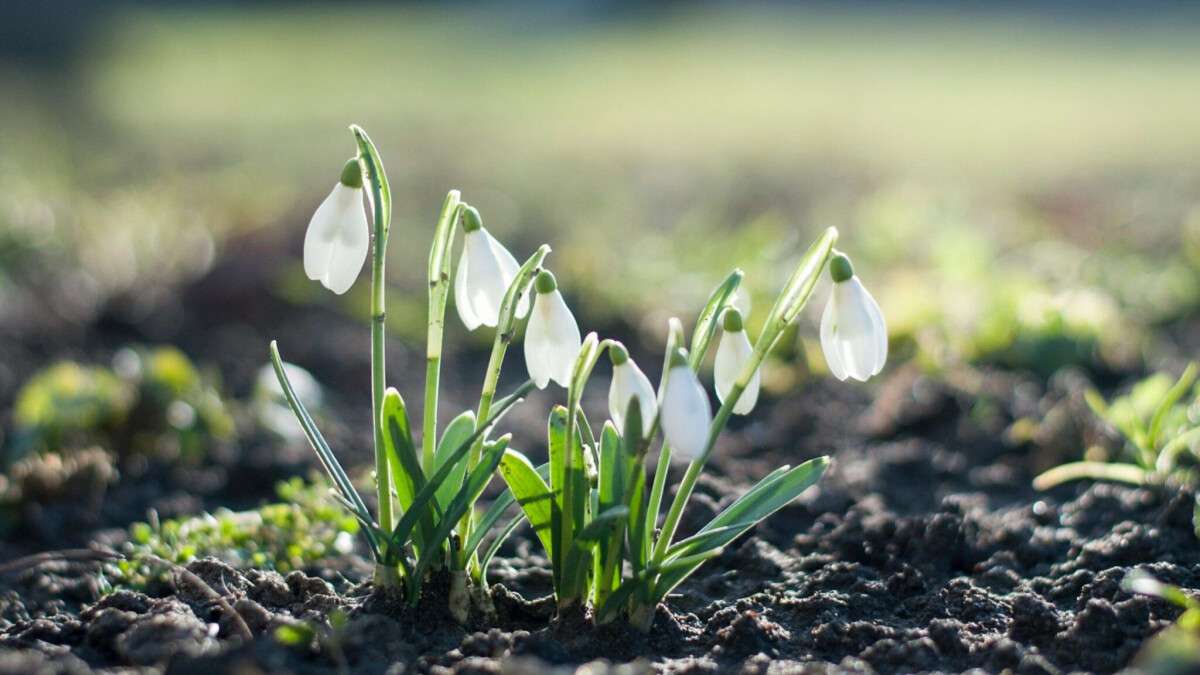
(439, 291)
(381, 200)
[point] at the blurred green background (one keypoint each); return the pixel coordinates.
(1018, 187)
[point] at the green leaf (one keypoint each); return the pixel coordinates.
(532, 494)
(557, 443)
(476, 481)
(706, 323)
(407, 476)
(501, 536)
(603, 523)
(768, 496)
(612, 468)
(633, 464)
(1172, 397)
(620, 598)
(456, 432)
(403, 530)
(329, 462)
(497, 508)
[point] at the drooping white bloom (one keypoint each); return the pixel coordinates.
(552, 340)
(685, 412)
(485, 271)
(336, 243)
(853, 332)
(628, 383)
(733, 352)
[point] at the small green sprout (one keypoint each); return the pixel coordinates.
(1161, 440)
(303, 528)
(592, 506)
(1177, 648)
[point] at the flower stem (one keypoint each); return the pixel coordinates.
(439, 291)
(382, 202)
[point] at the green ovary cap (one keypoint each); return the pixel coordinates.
(732, 321)
(351, 174)
(840, 268)
(545, 282)
(471, 219)
(617, 353)
(679, 357)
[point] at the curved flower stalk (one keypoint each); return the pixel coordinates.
(485, 271)
(552, 339)
(337, 239)
(630, 383)
(853, 331)
(733, 353)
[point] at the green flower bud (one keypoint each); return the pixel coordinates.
(545, 282)
(617, 353)
(470, 219)
(840, 268)
(732, 320)
(352, 174)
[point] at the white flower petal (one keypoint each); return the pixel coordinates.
(630, 382)
(485, 284)
(337, 240)
(733, 352)
(508, 271)
(685, 413)
(853, 332)
(552, 340)
(462, 301)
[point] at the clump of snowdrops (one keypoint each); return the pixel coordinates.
(594, 506)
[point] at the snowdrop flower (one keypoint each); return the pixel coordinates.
(853, 332)
(335, 245)
(733, 352)
(485, 271)
(552, 339)
(685, 413)
(629, 382)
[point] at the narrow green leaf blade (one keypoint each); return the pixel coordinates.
(765, 498)
(456, 432)
(603, 523)
(476, 481)
(532, 494)
(324, 453)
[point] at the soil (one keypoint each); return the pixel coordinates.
(924, 548)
